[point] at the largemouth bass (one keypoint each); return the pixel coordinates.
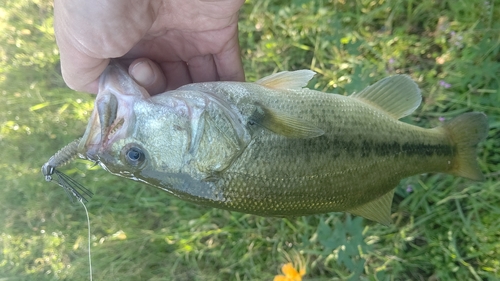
(273, 147)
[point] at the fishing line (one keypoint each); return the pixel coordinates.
(88, 238)
(72, 187)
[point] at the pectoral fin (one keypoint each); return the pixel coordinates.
(284, 124)
(378, 210)
(287, 79)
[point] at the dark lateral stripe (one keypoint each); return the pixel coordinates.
(428, 149)
(410, 149)
(369, 148)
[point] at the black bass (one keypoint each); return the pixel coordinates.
(273, 147)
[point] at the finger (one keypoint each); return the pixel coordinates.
(228, 61)
(202, 69)
(176, 74)
(85, 77)
(79, 70)
(149, 75)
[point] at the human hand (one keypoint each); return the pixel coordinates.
(166, 43)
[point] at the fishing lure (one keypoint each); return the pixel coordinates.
(61, 158)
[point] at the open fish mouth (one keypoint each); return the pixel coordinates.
(106, 125)
(113, 117)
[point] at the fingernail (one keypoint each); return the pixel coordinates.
(143, 73)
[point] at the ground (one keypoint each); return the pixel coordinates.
(445, 228)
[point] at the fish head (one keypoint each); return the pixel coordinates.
(132, 135)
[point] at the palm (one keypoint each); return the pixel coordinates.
(191, 41)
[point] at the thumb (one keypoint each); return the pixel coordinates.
(80, 70)
(82, 73)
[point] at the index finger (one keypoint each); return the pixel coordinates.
(228, 61)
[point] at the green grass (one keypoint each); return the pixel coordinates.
(445, 229)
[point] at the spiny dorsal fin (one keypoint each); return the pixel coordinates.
(287, 79)
(284, 124)
(397, 95)
(378, 210)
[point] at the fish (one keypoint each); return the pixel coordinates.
(275, 147)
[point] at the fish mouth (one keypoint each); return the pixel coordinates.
(107, 125)
(113, 116)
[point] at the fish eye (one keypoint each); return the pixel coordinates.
(135, 156)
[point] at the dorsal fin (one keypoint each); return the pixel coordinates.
(287, 79)
(397, 95)
(378, 210)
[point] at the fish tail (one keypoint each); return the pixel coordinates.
(465, 132)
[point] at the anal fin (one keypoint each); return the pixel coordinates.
(378, 210)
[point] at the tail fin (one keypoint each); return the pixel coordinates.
(466, 131)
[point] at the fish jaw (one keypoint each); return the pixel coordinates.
(113, 116)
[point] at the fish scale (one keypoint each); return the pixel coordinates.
(282, 170)
(273, 147)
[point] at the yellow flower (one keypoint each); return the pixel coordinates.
(290, 273)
